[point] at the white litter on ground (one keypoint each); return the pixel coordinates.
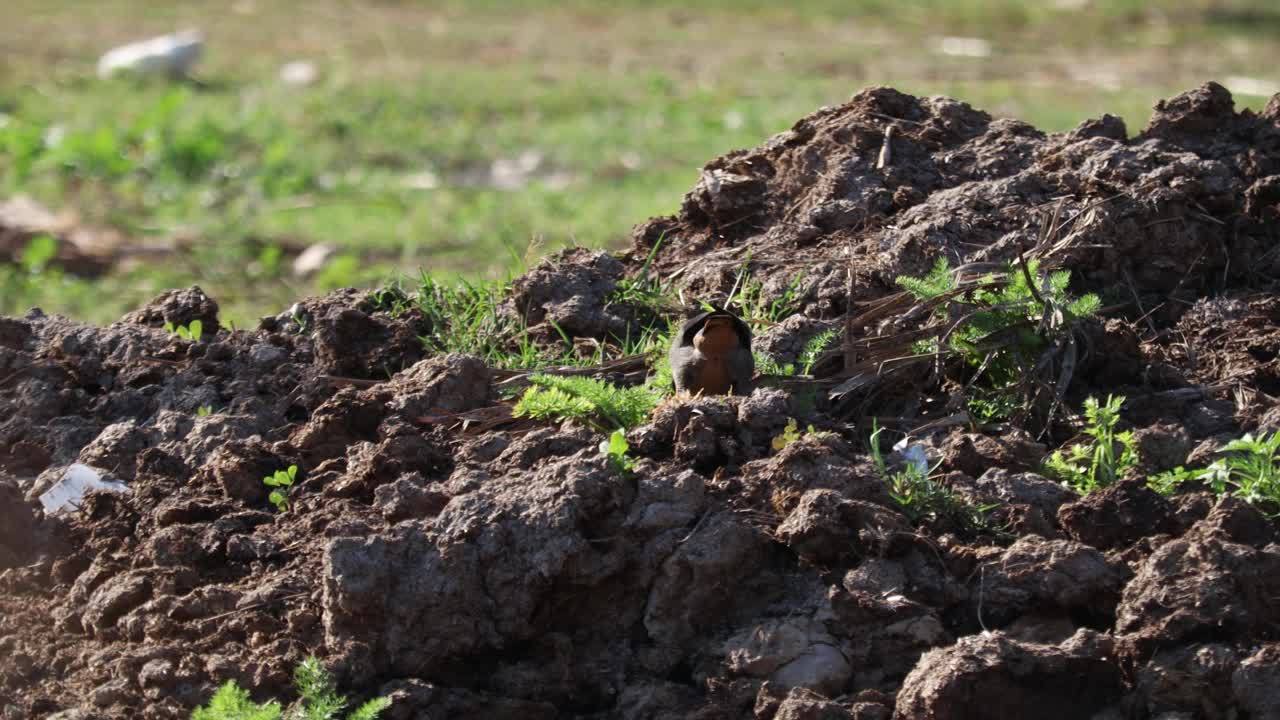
(298, 72)
(68, 493)
(173, 55)
(914, 455)
(963, 47)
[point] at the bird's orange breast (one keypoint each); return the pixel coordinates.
(717, 339)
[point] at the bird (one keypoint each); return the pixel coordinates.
(712, 355)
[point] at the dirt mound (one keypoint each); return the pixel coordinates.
(476, 570)
(1175, 213)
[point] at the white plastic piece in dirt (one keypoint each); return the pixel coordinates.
(963, 47)
(914, 454)
(173, 55)
(68, 493)
(298, 72)
(1245, 85)
(313, 259)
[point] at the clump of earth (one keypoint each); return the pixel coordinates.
(473, 570)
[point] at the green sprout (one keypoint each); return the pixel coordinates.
(192, 331)
(282, 481)
(615, 448)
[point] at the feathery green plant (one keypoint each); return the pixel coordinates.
(938, 281)
(813, 350)
(231, 702)
(602, 405)
(1006, 326)
(1010, 322)
(319, 700)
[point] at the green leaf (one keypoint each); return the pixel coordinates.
(618, 444)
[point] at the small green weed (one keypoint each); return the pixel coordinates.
(282, 481)
(615, 448)
(922, 498)
(232, 702)
(989, 406)
(1168, 482)
(192, 331)
(391, 299)
(1249, 470)
(602, 405)
(204, 411)
(1092, 466)
(809, 355)
(791, 433)
(319, 700)
(748, 297)
(644, 289)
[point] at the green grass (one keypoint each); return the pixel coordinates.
(387, 155)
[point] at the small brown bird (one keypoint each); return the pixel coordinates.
(712, 355)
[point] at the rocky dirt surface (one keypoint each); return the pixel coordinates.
(513, 572)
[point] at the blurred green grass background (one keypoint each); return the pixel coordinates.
(471, 138)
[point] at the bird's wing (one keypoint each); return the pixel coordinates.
(683, 368)
(742, 366)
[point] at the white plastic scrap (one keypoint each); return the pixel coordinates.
(914, 454)
(173, 55)
(298, 72)
(68, 493)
